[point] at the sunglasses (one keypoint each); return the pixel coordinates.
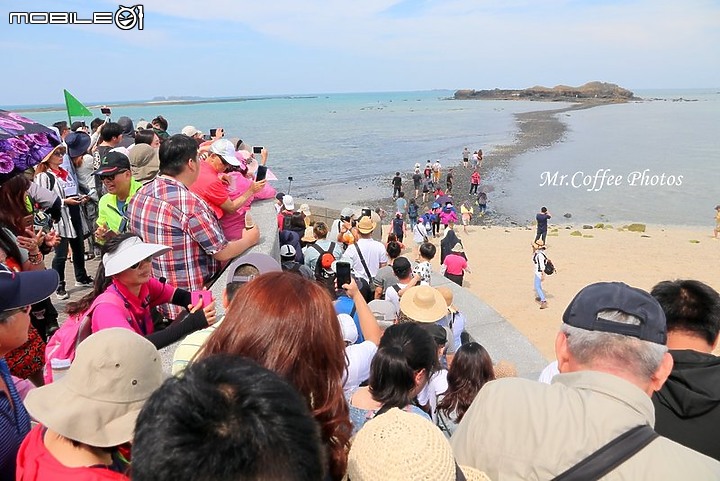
(137, 264)
(111, 176)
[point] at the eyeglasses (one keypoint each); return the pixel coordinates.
(137, 264)
(8, 314)
(111, 176)
(57, 154)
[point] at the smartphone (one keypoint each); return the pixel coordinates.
(105, 110)
(213, 132)
(366, 213)
(257, 149)
(261, 173)
(206, 296)
(206, 137)
(342, 271)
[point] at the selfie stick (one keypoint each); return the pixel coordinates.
(290, 179)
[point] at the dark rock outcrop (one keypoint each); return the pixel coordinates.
(591, 91)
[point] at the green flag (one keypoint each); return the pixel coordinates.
(74, 107)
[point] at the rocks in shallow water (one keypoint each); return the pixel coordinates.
(567, 215)
(576, 233)
(694, 241)
(635, 227)
(587, 226)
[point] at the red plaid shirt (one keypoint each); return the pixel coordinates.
(166, 212)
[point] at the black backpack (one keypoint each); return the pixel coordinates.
(323, 273)
(549, 267)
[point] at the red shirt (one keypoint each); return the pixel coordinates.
(210, 188)
(35, 463)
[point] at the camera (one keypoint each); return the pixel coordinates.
(213, 132)
(257, 149)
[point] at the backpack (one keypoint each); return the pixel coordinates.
(63, 344)
(323, 267)
(549, 267)
(413, 211)
(397, 226)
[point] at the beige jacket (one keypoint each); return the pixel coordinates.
(518, 429)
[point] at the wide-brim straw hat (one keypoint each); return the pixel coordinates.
(423, 304)
(97, 402)
(538, 244)
(398, 445)
(366, 225)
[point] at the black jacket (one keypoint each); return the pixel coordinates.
(687, 408)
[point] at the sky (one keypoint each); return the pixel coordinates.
(225, 48)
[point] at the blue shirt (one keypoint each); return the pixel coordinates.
(14, 425)
(345, 305)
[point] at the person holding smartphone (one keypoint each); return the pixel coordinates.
(126, 293)
(72, 225)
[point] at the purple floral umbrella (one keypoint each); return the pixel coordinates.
(23, 142)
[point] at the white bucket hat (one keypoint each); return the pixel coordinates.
(130, 252)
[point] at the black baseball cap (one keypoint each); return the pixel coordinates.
(113, 163)
(582, 312)
(18, 289)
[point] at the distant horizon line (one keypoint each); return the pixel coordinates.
(194, 99)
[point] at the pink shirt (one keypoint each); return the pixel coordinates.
(135, 315)
(455, 264)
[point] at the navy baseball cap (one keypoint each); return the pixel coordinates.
(19, 289)
(582, 312)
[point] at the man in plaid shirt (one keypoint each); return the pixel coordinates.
(164, 211)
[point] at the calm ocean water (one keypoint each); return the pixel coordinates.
(338, 146)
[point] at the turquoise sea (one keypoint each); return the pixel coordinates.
(339, 147)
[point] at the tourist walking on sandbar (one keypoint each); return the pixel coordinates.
(716, 231)
(542, 218)
(397, 185)
(474, 182)
(466, 157)
(539, 258)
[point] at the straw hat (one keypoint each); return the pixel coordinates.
(309, 235)
(538, 244)
(98, 400)
(398, 445)
(366, 225)
(447, 294)
(305, 209)
(423, 304)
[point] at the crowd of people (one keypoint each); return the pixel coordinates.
(339, 359)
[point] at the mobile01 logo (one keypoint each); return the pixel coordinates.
(124, 18)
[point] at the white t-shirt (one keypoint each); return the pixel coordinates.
(539, 262)
(419, 233)
(458, 326)
(374, 254)
(359, 358)
(392, 295)
(436, 386)
(550, 371)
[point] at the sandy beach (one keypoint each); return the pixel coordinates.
(501, 260)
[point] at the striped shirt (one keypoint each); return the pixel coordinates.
(14, 425)
(165, 212)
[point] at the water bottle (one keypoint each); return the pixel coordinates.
(59, 368)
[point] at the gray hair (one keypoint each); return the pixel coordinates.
(639, 358)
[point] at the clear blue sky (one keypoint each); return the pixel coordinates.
(237, 48)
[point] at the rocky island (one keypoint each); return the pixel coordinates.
(601, 92)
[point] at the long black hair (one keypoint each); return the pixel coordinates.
(101, 281)
(404, 350)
